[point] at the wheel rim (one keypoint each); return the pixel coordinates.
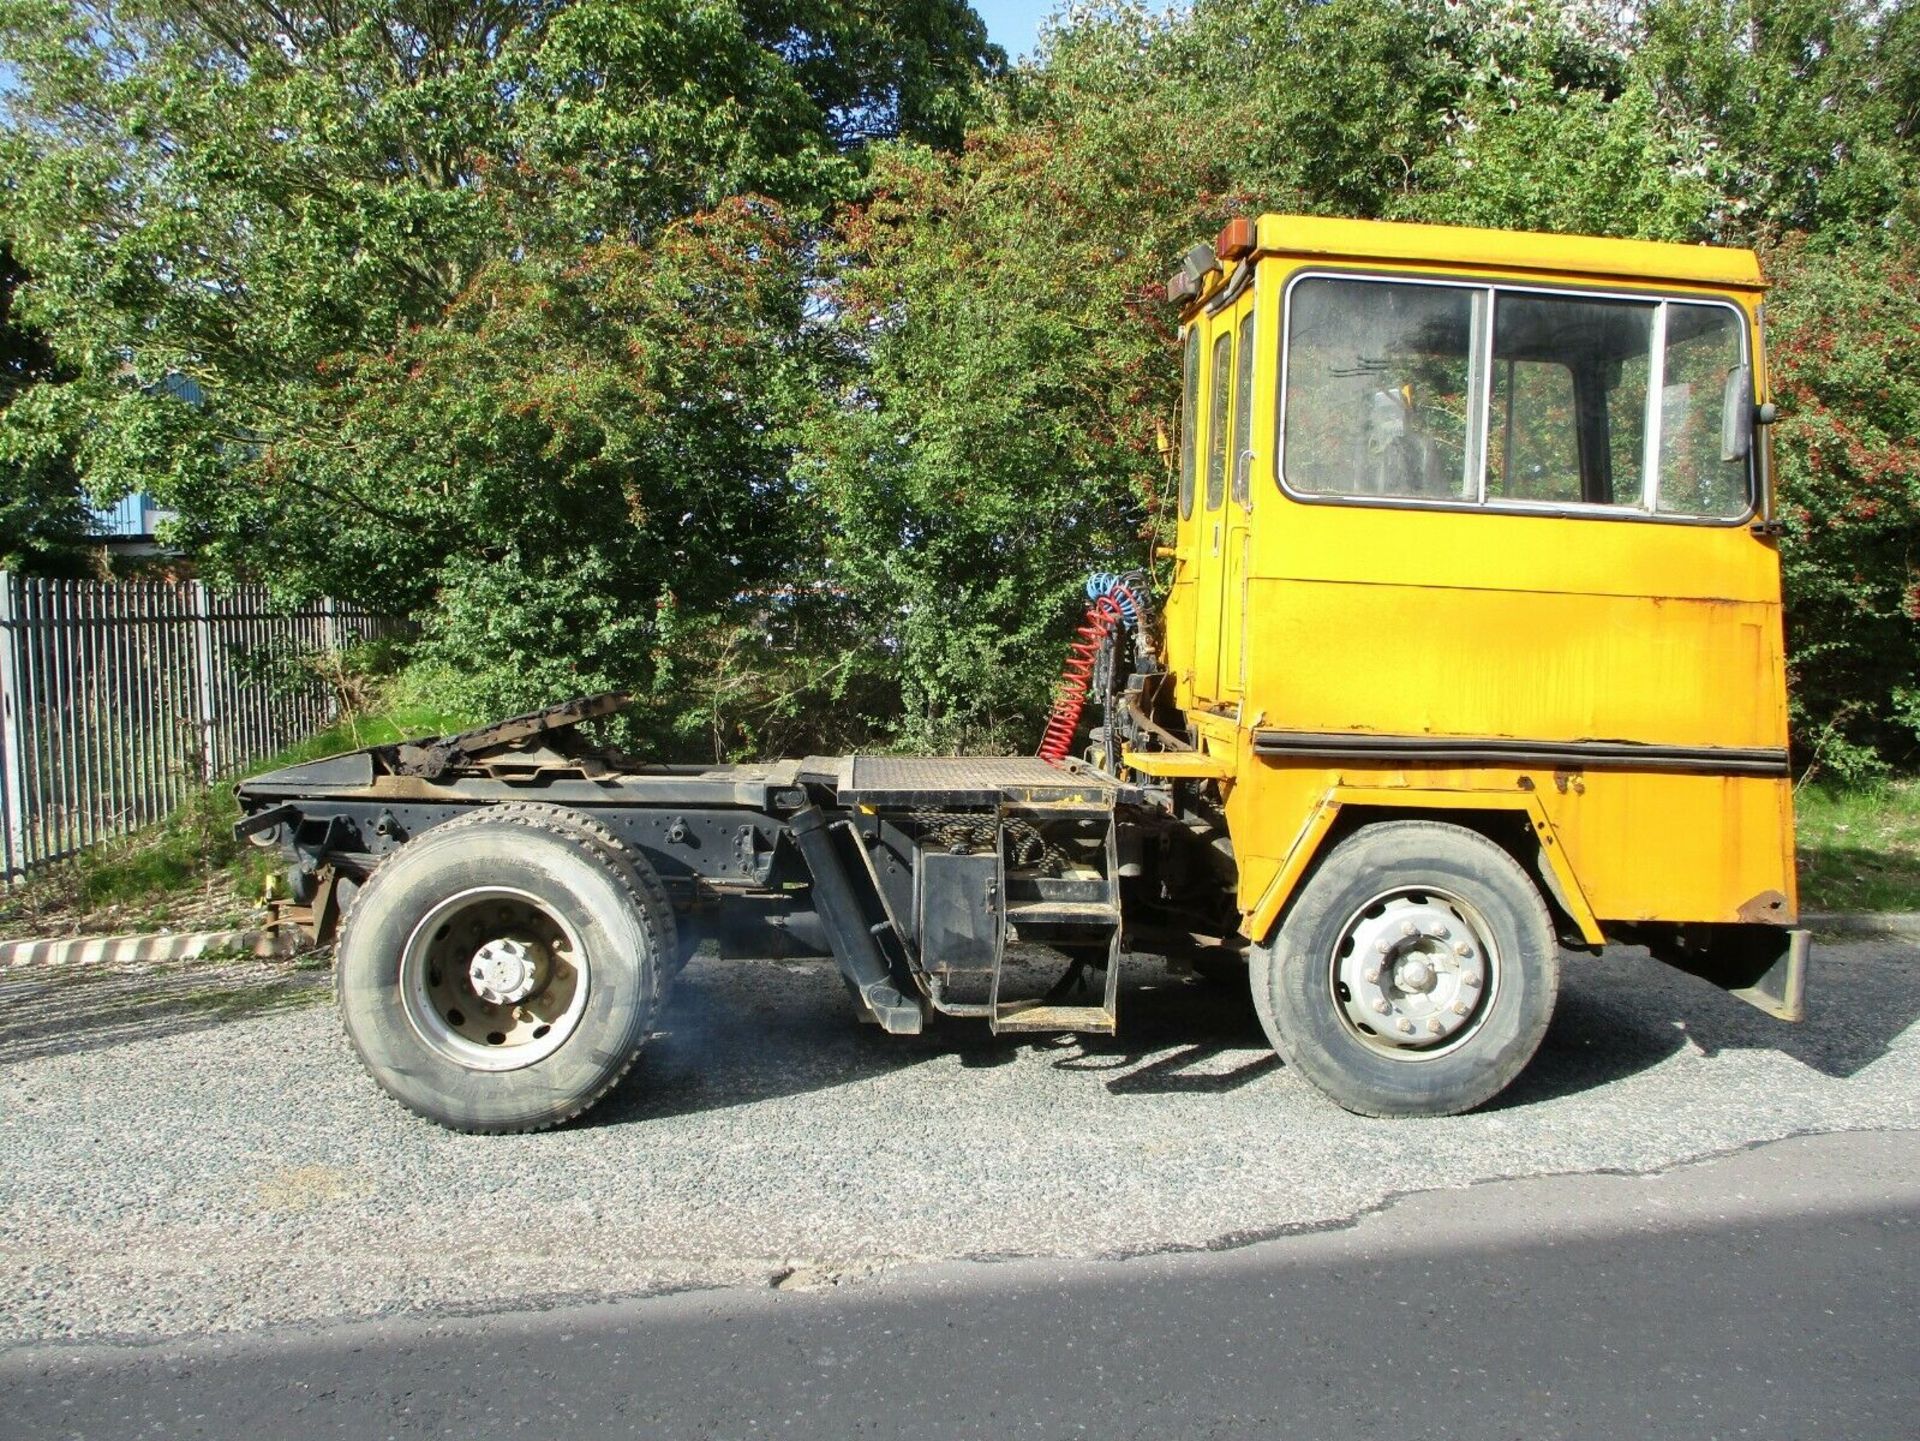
(493, 979)
(1415, 973)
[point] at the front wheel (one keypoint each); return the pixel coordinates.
(1414, 974)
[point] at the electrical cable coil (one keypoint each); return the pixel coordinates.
(1113, 604)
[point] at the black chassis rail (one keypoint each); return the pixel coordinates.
(724, 827)
(709, 832)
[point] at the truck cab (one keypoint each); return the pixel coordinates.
(1473, 528)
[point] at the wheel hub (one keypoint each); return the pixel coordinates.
(506, 970)
(1415, 973)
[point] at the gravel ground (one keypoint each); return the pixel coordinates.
(195, 1150)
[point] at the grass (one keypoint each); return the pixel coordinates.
(1859, 846)
(188, 872)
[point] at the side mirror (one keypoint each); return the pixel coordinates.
(1736, 414)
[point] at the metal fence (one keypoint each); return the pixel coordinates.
(118, 700)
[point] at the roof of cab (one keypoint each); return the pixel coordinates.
(1512, 250)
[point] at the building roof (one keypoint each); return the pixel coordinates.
(1376, 241)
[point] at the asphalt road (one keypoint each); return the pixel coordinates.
(194, 1152)
(1770, 1294)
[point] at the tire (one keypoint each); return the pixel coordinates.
(1369, 1012)
(545, 905)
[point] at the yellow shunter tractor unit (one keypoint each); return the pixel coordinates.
(1465, 659)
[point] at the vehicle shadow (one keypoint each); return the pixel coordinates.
(1617, 1015)
(1625, 1012)
(1180, 1034)
(68, 1009)
(737, 1032)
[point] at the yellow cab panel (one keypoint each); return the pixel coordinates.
(1473, 517)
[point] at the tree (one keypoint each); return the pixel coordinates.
(1000, 439)
(1808, 108)
(1846, 362)
(908, 69)
(498, 310)
(43, 519)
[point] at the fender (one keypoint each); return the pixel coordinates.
(1260, 920)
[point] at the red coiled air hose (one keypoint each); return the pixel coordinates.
(1071, 696)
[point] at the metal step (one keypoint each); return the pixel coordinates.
(1042, 1016)
(1077, 915)
(1026, 886)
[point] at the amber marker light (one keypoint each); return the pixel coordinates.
(1236, 239)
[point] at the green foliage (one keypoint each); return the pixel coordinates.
(1859, 846)
(1846, 358)
(43, 517)
(1807, 107)
(791, 361)
(498, 311)
(998, 441)
(1529, 157)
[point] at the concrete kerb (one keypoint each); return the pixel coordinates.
(1896, 925)
(120, 950)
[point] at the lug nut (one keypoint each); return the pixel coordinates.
(1408, 928)
(1381, 1005)
(1437, 1026)
(1460, 1008)
(1372, 972)
(1469, 978)
(1462, 949)
(1404, 1026)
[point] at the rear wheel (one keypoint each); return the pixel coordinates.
(500, 972)
(1414, 974)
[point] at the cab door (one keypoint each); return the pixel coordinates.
(1210, 519)
(1231, 674)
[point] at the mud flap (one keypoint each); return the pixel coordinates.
(1765, 966)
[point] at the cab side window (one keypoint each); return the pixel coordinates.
(1394, 389)
(1219, 391)
(1189, 418)
(1377, 391)
(1243, 416)
(1702, 354)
